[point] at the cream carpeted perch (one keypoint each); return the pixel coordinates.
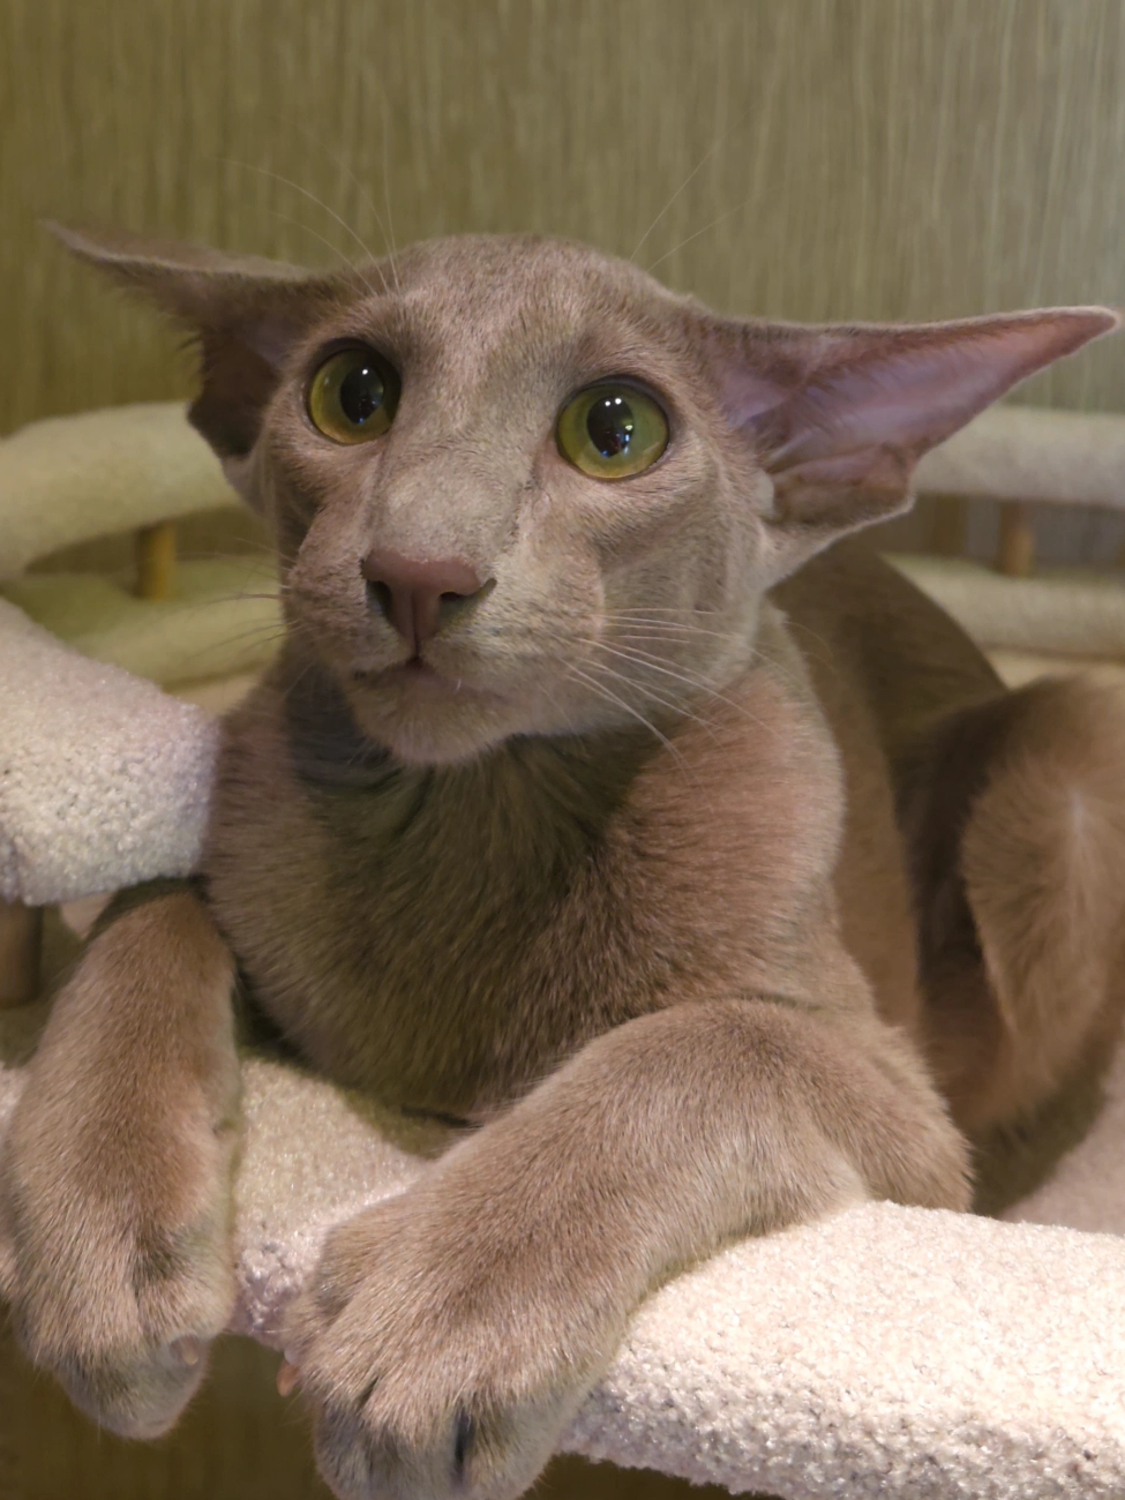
(133, 469)
(887, 1352)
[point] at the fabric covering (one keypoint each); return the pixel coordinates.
(886, 1352)
(104, 779)
(1028, 453)
(71, 479)
(889, 1351)
(1066, 612)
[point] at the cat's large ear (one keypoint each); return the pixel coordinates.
(245, 312)
(839, 416)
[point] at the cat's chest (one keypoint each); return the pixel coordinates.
(443, 940)
(437, 948)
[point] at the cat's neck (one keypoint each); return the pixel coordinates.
(540, 784)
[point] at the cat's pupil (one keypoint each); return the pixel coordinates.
(361, 394)
(610, 425)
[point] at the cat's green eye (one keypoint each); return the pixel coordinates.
(612, 430)
(352, 397)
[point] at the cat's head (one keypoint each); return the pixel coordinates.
(518, 487)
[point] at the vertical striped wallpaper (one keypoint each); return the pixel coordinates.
(808, 158)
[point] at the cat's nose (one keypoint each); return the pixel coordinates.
(416, 596)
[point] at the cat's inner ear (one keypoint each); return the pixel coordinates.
(839, 416)
(245, 312)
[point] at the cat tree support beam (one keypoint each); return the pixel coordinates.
(1015, 552)
(156, 561)
(21, 929)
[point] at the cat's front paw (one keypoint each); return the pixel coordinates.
(441, 1357)
(118, 1267)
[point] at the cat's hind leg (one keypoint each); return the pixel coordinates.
(1015, 816)
(116, 1171)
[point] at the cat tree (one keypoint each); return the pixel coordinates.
(885, 1352)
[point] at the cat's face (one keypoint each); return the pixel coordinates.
(521, 489)
(576, 594)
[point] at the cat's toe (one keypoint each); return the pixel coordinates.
(137, 1393)
(123, 1320)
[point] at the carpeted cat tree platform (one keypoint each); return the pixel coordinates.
(886, 1352)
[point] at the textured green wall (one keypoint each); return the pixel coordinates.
(812, 158)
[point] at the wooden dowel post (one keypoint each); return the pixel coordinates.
(1015, 552)
(948, 526)
(21, 933)
(156, 561)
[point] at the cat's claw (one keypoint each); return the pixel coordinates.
(426, 1382)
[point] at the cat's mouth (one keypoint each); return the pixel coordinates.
(426, 716)
(414, 670)
(418, 678)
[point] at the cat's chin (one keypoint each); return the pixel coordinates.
(424, 720)
(414, 746)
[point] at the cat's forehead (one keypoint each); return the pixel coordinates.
(493, 295)
(525, 268)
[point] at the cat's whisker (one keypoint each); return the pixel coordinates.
(173, 609)
(243, 550)
(331, 212)
(184, 663)
(691, 176)
(672, 630)
(339, 160)
(705, 230)
(335, 249)
(390, 234)
(655, 636)
(266, 631)
(826, 657)
(645, 659)
(660, 611)
(600, 687)
(679, 709)
(238, 597)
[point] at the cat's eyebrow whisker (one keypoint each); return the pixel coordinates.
(338, 159)
(705, 230)
(390, 235)
(331, 212)
(739, 124)
(307, 229)
(700, 164)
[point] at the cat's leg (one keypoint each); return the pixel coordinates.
(451, 1333)
(116, 1171)
(1016, 816)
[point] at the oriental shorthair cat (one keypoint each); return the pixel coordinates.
(603, 797)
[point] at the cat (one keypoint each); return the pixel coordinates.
(605, 801)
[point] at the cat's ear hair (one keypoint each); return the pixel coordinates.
(244, 311)
(840, 415)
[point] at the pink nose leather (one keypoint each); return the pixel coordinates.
(410, 593)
